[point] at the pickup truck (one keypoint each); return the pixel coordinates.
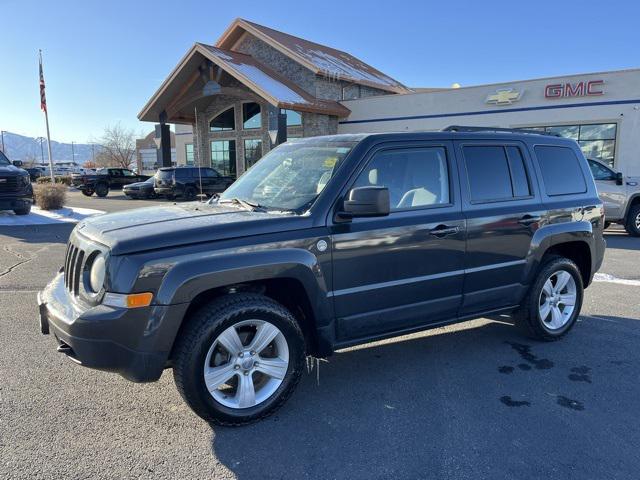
(104, 180)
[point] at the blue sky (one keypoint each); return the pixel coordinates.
(104, 59)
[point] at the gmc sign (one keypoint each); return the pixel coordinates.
(580, 89)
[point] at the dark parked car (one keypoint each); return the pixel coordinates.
(35, 173)
(16, 192)
(188, 182)
(141, 190)
(106, 179)
(327, 243)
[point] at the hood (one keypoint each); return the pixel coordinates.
(182, 224)
(12, 171)
(136, 186)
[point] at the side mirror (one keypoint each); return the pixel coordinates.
(366, 202)
(17, 163)
(619, 178)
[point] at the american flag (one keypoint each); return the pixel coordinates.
(43, 98)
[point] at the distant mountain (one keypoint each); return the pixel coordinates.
(19, 147)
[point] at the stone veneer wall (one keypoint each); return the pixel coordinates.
(313, 124)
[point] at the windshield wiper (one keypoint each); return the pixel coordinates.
(252, 207)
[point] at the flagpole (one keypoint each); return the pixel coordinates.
(46, 119)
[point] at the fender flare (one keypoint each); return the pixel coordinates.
(556, 234)
(196, 274)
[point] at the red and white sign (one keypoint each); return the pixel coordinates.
(591, 88)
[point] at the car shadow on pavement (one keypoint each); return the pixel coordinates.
(50, 233)
(437, 406)
(619, 239)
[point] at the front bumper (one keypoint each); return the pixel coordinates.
(166, 191)
(16, 201)
(134, 343)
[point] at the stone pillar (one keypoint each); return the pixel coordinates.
(163, 133)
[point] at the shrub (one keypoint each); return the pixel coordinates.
(50, 197)
(65, 180)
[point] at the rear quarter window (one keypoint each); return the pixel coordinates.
(561, 171)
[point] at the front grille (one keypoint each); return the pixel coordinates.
(73, 265)
(10, 184)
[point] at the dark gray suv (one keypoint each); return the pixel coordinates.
(327, 243)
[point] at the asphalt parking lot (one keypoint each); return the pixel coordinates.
(475, 400)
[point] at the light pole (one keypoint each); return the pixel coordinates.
(73, 153)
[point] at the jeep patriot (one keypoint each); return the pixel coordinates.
(326, 243)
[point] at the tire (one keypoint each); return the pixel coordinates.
(189, 193)
(22, 211)
(528, 316)
(632, 225)
(87, 192)
(170, 196)
(102, 190)
(199, 349)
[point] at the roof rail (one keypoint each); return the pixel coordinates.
(464, 128)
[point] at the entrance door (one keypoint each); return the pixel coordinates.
(404, 270)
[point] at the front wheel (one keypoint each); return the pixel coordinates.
(23, 210)
(102, 190)
(553, 302)
(239, 359)
(633, 221)
(87, 192)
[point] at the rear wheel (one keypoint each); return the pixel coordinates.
(553, 302)
(239, 359)
(102, 189)
(633, 221)
(189, 193)
(87, 192)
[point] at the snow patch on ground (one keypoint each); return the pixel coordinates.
(605, 277)
(47, 217)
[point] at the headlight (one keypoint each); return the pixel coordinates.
(96, 276)
(26, 179)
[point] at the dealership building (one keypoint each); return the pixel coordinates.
(233, 101)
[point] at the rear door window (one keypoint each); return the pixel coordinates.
(561, 172)
(495, 173)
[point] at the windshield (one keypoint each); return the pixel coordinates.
(289, 177)
(4, 161)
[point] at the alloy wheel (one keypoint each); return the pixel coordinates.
(246, 364)
(557, 300)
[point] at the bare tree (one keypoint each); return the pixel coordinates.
(118, 147)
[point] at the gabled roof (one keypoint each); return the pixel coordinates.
(320, 59)
(270, 85)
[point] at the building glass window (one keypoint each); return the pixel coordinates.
(294, 119)
(252, 152)
(223, 157)
(251, 116)
(188, 150)
(597, 141)
(223, 122)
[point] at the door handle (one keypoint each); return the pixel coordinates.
(444, 230)
(529, 219)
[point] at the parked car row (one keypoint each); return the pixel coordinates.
(171, 183)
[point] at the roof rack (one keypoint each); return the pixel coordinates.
(464, 128)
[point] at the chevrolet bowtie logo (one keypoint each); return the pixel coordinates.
(504, 96)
